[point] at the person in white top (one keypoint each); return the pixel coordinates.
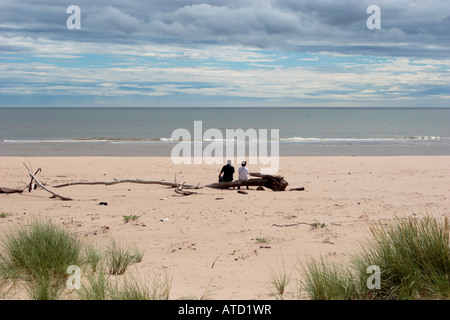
(243, 172)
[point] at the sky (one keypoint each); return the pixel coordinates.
(236, 53)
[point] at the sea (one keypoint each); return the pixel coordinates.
(294, 131)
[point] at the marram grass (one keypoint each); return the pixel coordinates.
(413, 256)
(36, 257)
(39, 250)
(414, 259)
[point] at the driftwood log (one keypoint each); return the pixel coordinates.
(276, 183)
(9, 190)
(109, 183)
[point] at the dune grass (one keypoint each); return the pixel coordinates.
(412, 254)
(39, 254)
(92, 256)
(95, 286)
(324, 281)
(119, 257)
(135, 288)
(43, 288)
(280, 279)
(105, 286)
(41, 248)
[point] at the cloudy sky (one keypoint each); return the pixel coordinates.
(225, 53)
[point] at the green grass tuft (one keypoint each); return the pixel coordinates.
(119, 257)
(130, 218)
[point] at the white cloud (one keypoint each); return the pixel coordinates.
(394, 78)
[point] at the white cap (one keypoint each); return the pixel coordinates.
(244, 163)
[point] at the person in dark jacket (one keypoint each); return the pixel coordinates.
(227, 171)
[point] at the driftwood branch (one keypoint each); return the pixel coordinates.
(109, 183)
(180, 190)
(314, 225)
(292, 225)
(55, 195)
(276, 183)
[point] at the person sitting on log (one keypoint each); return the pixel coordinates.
(228, 171)
(243, 172)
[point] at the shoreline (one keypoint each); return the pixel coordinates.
(212, 236)
(412, 148)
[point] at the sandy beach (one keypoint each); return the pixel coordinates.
(211, 237)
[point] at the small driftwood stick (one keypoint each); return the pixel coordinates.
(297, 189)
(109, 183)
(212, 266)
